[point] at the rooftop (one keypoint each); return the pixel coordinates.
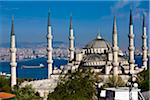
(4, 95)
(119, 89)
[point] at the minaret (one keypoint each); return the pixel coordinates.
(144, 45)
(71, 41)
(131, 45)
(49, 47)
(115, 48)
(13, 62)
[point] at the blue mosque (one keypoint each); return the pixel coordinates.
(102, 57)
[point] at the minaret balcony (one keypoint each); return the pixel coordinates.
(49, 36)
(13, 64)
(144, 48)
(71, 49)
(49, 49)
(49, 61)
(115, 49)
(13, 50)
(131, 48)
(144, 37)
(131, 61)
(131, 35)
(71, 38)
(145, 60)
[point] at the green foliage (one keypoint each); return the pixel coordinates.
(75, 86)
(5, 84)
(144, 80)
(21, 80)
(114, 81)
(26, 93)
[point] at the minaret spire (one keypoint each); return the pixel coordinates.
(71, 21)
(115, 48)
(144, 23)
(131, 45)
(49, 47)
(13, 62)
(71, 41)
(131, 22)
(49, 24)
(144, 45)
(12, 26)
(114, 26)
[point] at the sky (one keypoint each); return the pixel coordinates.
(89, 18)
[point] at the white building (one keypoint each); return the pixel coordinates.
(121, 93)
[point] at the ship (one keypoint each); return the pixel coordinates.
(40, 66)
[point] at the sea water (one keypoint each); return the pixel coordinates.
(41, 73)
(35, 73)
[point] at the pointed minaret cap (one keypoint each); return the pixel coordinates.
(71, 21)
(98, 36)
(49, 24)
(114, 26)
(144, 23)
(12, 26)
(131, 22)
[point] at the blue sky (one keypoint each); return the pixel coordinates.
(89, 18)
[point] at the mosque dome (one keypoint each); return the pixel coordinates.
(99, 42)
(96, 52)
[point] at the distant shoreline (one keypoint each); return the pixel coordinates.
(34, 59)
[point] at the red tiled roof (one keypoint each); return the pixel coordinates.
(4, 95)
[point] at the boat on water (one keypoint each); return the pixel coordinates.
(40, 66)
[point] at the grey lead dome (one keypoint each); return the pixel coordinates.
(98, 43)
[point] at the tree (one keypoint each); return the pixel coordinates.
(143, 80)
(5, 84)
(21, 80)
(75, 86)
(114, 81)
(26, 93)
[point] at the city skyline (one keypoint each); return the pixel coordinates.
(89, 18)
